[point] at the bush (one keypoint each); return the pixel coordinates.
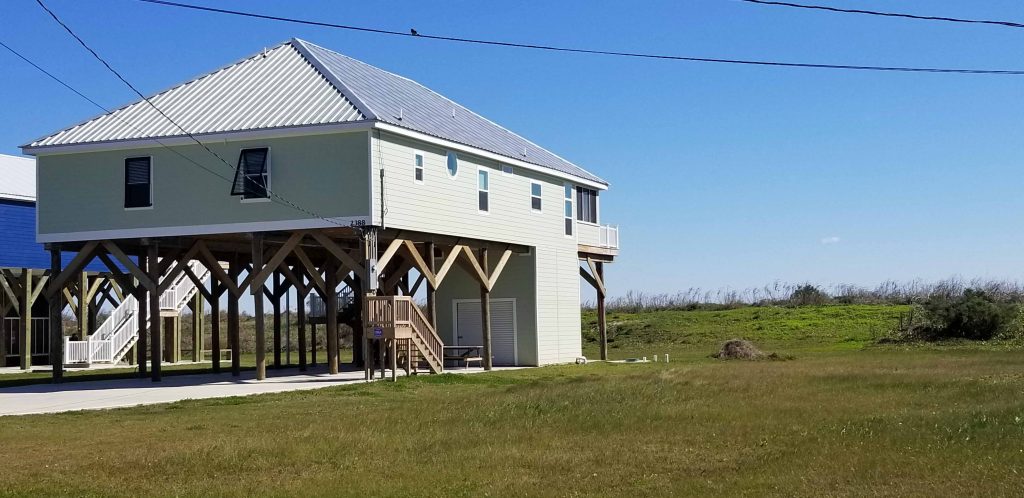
(808, 295)
(974, 315)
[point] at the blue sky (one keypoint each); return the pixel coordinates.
(722, 176)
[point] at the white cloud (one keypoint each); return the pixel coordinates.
(830, 240)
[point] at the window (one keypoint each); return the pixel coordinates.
(138, 184)
(568, 210)
(535, 197)
(453, 164)
(586, 205)
(482, 191)
(418, 162)
(506, 170)
(252, 178)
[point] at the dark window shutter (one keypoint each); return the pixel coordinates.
(483, 201)
(137, 176)
(251, 174)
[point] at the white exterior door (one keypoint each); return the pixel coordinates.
(469, 327)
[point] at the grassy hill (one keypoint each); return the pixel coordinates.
(783, 329)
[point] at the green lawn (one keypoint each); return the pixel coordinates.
(835, 420)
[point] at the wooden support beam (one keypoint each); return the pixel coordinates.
(200, 285)
(26, 298)
(485, 313)
(278, 258)
(142, 295)
(143, 278)
(492, 277)
(59, 279)
(234, 270)
(121, 283)
(179, 266)
(331, 316)
(56, 324)
(311, 271)
(394, 277)
(10, 287)
(602, 326)
(347, 259)
(215, 291)
(385, 258)
(420, 263)
(230, 282)
(431, 286)
(275, 306)
(475, 269)
(302, 290)
(198, 317)
(596, 273)
(155, 344)
(257, 296)
(82, 311)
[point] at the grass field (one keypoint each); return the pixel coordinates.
(838, 419)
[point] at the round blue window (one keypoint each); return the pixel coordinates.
(453, 164)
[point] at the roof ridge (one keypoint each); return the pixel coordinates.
(300, 46)
(375, 116)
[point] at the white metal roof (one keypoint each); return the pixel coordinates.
(298, 83)
(17, 178)
(271, 89)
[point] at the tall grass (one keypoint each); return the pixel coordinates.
(785, 294)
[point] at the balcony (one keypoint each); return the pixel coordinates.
(599, 239)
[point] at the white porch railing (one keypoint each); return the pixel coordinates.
(610, 236)
(114, 338)
(592, 234)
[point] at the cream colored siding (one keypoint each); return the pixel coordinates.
(323, 174)
(446, 205)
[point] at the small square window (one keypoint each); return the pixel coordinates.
(506, 170)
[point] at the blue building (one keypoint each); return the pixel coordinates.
(24, 265)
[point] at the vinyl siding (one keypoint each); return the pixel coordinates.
(323, 174)
(18, 246)
(445, 205)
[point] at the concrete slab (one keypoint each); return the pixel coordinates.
(105, 394)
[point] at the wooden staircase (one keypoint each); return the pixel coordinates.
(399, 318)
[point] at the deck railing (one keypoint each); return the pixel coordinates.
(604, 236)
(318, 309)
(402, 311)
(120, 330)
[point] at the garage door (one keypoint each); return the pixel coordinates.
(469, 329)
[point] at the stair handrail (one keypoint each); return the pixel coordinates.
(422, 327)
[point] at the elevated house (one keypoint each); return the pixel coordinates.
(25, 271)
(306, 169)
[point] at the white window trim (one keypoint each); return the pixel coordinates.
(269, 197)
(458, 167)
(486, 171)
(541, 197)
(152, 201)
(423, 168)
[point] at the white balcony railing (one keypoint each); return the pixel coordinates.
(592, 234)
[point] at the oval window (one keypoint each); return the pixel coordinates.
(453, 164)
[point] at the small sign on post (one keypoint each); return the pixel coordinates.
(378, 332)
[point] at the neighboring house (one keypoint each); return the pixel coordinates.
(320, 171)
(24, 267)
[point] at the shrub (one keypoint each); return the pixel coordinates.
(808, 295)
(974, 315)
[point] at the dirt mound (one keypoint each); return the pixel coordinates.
(739, 349)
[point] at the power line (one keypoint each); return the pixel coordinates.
(108, 111)
(265, 188)
(886, 14)
(416, 34)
